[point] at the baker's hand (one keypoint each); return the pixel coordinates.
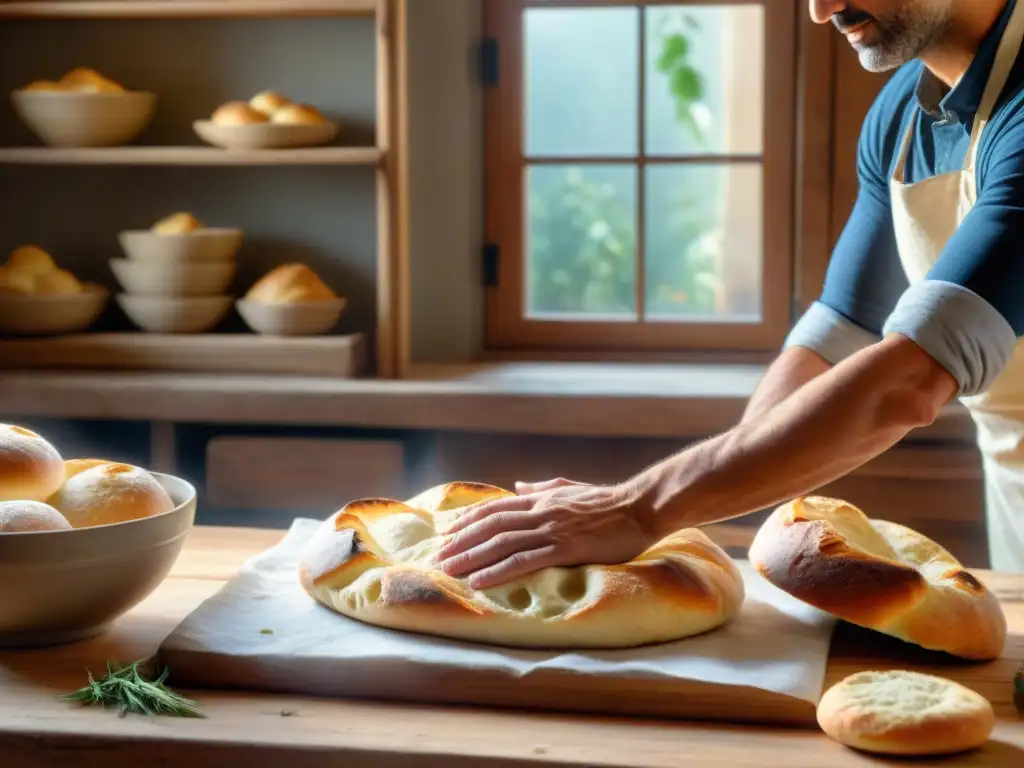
(557, 523)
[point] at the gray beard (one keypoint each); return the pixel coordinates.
(908, 33)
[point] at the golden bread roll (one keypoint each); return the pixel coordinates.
(73, 467)
(297, 114)
(59, 281)
(85, 80)
(879, 575)
(110, 493)
(905, 713)
(374, 561)
(181, 223)
(43, 85)
(290, 283)
(31, 469)
(30, 516)
(237, 113)
(30, 260)
(16, 282)
(268, 102)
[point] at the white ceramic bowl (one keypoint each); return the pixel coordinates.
(174, 278)
(31, 315)
(265, 135)
(203, 245)
(62, 586)
(162, 314)
(61, 119)
(306, 318)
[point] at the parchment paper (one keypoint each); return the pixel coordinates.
(262, 631)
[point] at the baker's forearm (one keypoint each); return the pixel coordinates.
(791, 370)
(832, 425)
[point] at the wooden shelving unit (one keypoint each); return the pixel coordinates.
(387, 157)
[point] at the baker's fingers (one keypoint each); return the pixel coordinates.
(524, 489)
(483, 530)
(516, 565)
(493, 550)
(484, 509)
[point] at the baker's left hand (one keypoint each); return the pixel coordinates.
(557, 523)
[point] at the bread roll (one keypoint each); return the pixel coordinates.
(30, 468)
(85, 80)
(290, 283)
(182, 223)
(57, 282)
(73, 467)
(30, 517)
(905, 713)
(237, 113)
(110, 493)
(297, 114)
(16, 282)
(373, 561)
(268, 102)
(879, 575)
(43, 85)
(30, 260)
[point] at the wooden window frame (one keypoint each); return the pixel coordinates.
(506, 326)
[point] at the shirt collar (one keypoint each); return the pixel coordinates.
(965, 97)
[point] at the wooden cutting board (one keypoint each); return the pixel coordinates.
(262, 632)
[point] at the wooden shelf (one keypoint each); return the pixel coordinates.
(184, 9)
(189, 156)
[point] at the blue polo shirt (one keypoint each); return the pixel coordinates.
(968, 312)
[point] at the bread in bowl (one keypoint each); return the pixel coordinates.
(181, 223)
(297, 114)
(110, 493)
(289, 283)
(879, 575)
(16, 282)
(73, 467)
(29, 517)
(43, 85)
(237, 113)
(268, 102)
(375, 561)
(31, 469)
(56, 282)
(905, 713)
(30, 260)
(86, 80)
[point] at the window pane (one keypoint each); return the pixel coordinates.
(582, 74)
(703, 230)
(581, 242)
(705, 84)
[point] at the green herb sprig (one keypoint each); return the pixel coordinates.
(127, 689)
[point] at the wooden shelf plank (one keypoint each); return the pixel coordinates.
(136, 155)
(168, 9)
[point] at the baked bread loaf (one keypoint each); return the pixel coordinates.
(374, 561)
(237, 113)
(905, 713)
(268, 102)
(30, 517)
(879, 575)
(290, 283)
(85, 80)
(110, 493)
(182, 223)
(297, 114)
(31, 469)
(73, 467)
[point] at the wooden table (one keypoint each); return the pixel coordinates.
(38, 730)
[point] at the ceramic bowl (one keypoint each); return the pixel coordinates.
(305, 318)
(30, 315)
(63, 586)
(61, 119)
(163, 314)
(173, 278)
(203, 245)
(265, 135)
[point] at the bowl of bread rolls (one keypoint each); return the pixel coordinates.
(291, 300)
(39, 298)
(83, 109)
(82, 541)
(181, 238)
(267, 121)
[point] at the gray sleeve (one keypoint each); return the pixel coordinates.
(963, 332)
(829, 334)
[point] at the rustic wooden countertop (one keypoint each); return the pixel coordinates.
(37, 730)
(573, 399)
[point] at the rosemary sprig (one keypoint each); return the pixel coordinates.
(127, 689)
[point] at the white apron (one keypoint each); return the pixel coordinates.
(925, 215)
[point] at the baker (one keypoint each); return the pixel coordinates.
(923, 303)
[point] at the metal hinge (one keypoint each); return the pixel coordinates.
(491, 254)
(489, 61)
